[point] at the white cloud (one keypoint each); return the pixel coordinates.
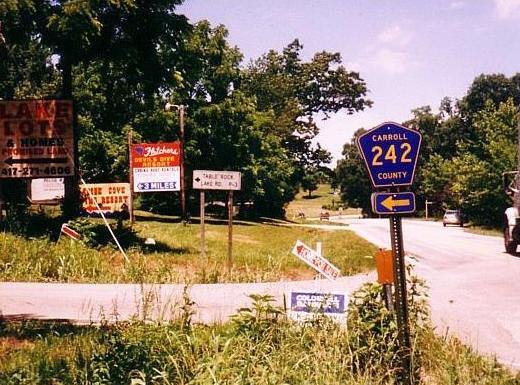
(507, 9)
(394, 35)
(457, 4)
(390, 51)
(353, 66)
(391, 61)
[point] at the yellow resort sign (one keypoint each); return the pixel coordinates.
(111, 198)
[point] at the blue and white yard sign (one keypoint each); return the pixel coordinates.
(307, 305)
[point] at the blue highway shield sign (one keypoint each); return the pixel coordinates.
(393, 203)
(390, 152)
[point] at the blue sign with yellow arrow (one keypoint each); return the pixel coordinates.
(393, 203)
(390, 152)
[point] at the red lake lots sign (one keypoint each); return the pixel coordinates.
(36, 138)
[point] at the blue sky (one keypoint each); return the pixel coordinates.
(411, 53)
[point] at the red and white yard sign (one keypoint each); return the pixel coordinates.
(317, 262)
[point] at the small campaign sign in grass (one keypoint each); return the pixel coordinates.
(307, 305)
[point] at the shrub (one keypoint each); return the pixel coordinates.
(373, 332)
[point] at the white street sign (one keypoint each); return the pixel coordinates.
(317, 262)
(216, 180)
(47, 190)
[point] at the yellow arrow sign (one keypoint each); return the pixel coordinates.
(390, 203)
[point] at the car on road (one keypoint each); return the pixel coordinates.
(453, 217)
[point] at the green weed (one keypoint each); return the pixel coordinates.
(259, 346)
(261, 252)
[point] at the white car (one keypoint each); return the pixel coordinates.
(453, 217)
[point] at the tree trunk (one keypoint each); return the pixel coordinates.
(71, 201)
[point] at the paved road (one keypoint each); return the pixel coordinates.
(86, 303)
(474, 284)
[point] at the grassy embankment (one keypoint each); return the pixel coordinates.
(260, 346)
(261, 252)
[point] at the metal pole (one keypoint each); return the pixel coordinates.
(230, 231)
(181, 140)
(202, 224)
(401, 301)
(389, 301)
(131, 178)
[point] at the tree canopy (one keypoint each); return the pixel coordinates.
(466, 148)
(123, 60)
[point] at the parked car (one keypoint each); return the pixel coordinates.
(453, 217)
(324, 216)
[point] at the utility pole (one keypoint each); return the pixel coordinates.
(181, 109)
(181, 140)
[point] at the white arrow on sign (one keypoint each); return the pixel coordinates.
(317, 262)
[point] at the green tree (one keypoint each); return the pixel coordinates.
(473, 180)
(352, 177)
(298, 91)
(311, 180)
(122, 60)
(495, 87)
(233, 135)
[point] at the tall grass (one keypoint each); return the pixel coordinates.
(259, 346)
(261, 252)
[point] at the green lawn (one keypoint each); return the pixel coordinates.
(261, 252)
(259, 346)
(311, 206)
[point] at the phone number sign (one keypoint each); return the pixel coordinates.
(390, 152)
(156, 167)
(36, 138)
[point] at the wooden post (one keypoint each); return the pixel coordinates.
(202, 223)
(230, 231)
(181, 140)
(131, 178)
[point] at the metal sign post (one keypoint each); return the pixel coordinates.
(401, 299)
(131, 178)
(390, 152)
